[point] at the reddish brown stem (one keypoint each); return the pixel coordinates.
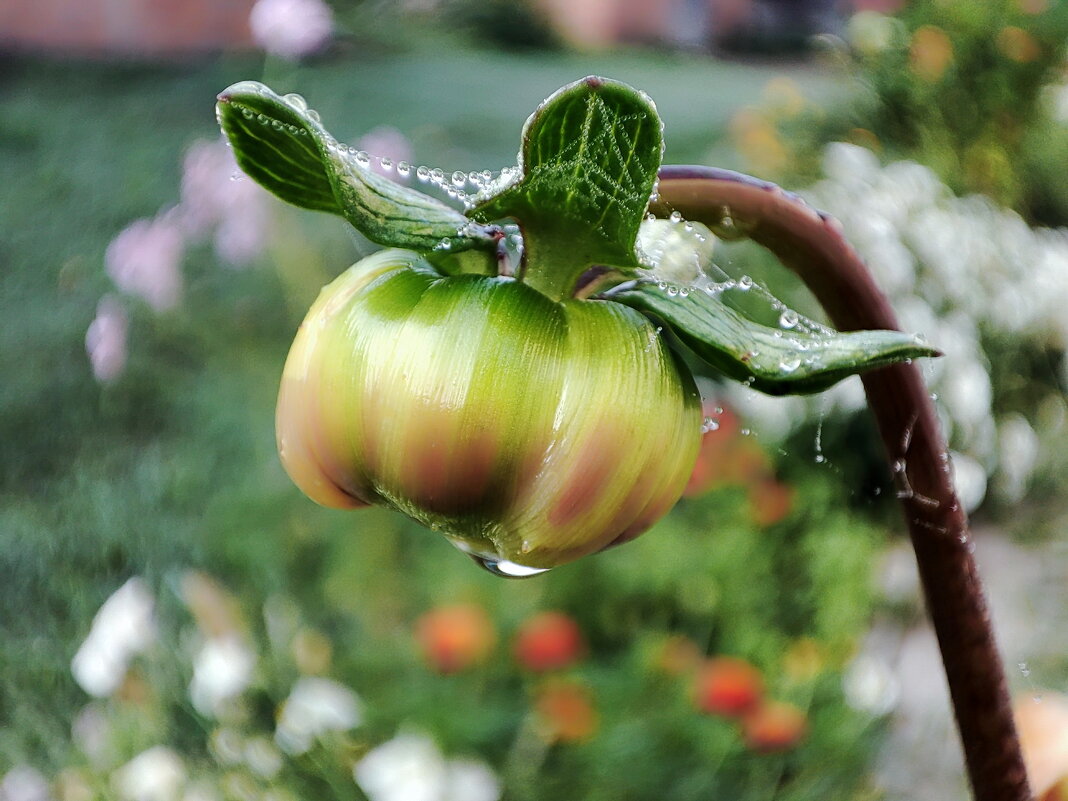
(811, 244)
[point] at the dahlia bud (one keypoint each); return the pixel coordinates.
(526, 430)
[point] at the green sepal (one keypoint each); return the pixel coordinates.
(772, 360)
(283, 147)
(587, 168)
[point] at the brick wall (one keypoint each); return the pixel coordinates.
(135, 27)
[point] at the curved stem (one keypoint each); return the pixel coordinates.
(811, 244)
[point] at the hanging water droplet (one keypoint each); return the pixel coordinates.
(506, 569)
(788, 319)
(676, 217)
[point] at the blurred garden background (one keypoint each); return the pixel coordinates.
(179, 623)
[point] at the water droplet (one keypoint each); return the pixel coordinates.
(385, 163)
(676, 217)
(404, 169)
(506, 569)
(672, 291)
(709, 424)
(246, 113)
(684, 291)
(459, 178)
(312, 115)
(1026, 671)
(788, 365)
(745, 283)
(296, 101)
(422, 173)
(437, 175)
(788, 319)
(362, 158)
(745, 432)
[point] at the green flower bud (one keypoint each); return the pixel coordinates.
(527, 430)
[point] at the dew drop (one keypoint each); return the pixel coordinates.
(312, 115)
(296, 101)
(422, 173)
(709, 424)
(506, 569)
(362, 158)
(745, 283)
(788, 365)
(672, 291)
(1024, 669)
(437, 175)
(788, 319)
(459, 178)
(676, 217)
(385, 163)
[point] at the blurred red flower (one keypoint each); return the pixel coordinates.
(727, 685)
(774, 726)
(548, 641)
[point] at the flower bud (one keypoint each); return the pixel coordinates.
(525, 429)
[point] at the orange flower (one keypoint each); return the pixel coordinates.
(728, 686)
(774, 726)
(770, 501)
(548, 641)
(930, 53)
(1018, 45)
(1043, 728)
(454, 638)
(565, 712)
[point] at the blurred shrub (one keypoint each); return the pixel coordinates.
(507, 24)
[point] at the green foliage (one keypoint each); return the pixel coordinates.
(172, 467)
(766, 358)
(959, 87)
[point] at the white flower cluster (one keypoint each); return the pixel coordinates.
(226, 663)
(954, 268)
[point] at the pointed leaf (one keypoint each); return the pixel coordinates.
(771, 360)
(281, 144)
(588, 165)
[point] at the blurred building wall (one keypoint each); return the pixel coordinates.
(135, 27)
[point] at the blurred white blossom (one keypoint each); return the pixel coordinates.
(157, 774)
(869, 685)
(291, 29)
(411, 768)
(222, 670)
(1018, 448)
(955, 269)
(105, 340)
(144, 259)
(315, 707)
(124, 627)
(23, 783)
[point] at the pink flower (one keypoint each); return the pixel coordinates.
(145, 260)
(217, 197)
(105, 341)
(291, 28)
